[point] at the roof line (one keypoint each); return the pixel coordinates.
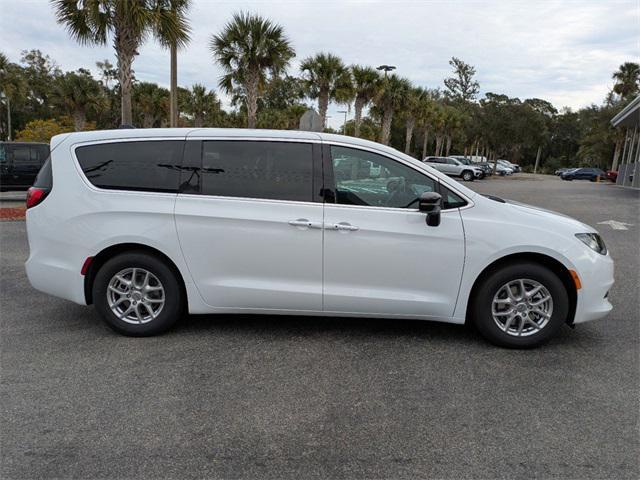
(626, 111)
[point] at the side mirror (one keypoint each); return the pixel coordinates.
(430, 203)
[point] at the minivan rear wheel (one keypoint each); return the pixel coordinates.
(138, 294)
(520, 306)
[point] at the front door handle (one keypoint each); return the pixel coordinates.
(303, 222)
(344, 226)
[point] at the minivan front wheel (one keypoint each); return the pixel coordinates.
(137, 294)
(520, 306)
(467, 176)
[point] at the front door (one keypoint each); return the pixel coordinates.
(250, 230)
(380, 257)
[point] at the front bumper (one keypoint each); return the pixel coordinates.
(597, 276)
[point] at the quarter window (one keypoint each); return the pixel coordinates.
(148, 166)
(365, 178)
(255, 169)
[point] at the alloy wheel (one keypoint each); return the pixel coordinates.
(135, 295)
(522, 307)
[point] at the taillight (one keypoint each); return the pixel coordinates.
(35, 196)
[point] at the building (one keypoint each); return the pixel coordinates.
(628, 164)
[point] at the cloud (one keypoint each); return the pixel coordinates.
(563, 51)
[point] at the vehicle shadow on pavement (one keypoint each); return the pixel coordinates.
(364, 329)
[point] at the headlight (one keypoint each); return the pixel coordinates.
(593, 241)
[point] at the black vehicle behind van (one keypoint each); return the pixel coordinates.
(20, 163)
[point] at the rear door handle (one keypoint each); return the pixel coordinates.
(344, 226)
(303, 222)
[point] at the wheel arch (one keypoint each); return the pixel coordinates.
(553, 264)
(111, 251)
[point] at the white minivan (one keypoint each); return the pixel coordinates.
(150, 224)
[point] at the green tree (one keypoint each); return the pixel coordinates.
(462, 86)
(108, 73)
(627, 79)
(326, 78)
(78, 94)
(152, 104)
(391, 98)
(248, 48)
(410, 113)
(178, 9)
(14, 89)
(366, 84)
(129, 22)
(43, 130)
(201, 104)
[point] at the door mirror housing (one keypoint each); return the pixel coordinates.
(431, 204)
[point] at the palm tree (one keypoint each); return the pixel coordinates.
(411, 112)
(201, 104)
(390, 99)
(326, 78)
(129, 22)
(178, 8)
(426, 114)
(152, 103)
(627, 80)
(248, 48)
(366, 83)
(12, 87)
(78, 94)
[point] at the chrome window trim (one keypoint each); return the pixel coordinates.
(252, 139)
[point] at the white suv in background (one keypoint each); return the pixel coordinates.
(150, 224)
(455, 168)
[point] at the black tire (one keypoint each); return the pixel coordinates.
(173, 293)
(467, 176)
(481, 306)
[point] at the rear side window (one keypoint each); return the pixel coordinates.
(145, 166)
(45, 176)
(253, 169)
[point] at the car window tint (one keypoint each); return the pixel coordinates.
(254, 169)
(450, 199)
(142, 165)
(365, 178)
(22, 154)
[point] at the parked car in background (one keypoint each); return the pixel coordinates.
(455, 168)
(588, 173)
(20, 163)
(468, 160)
(151, 224)
(501, 169)
(513, 166)
(612, 175)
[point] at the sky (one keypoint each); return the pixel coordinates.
(561, 51)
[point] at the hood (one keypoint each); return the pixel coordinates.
(543, 215)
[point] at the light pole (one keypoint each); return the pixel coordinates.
(344, 126)
(386, 68)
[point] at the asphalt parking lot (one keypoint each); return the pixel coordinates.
(293, 397)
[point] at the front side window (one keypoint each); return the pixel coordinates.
(365, 178)
(256, 169)
(142, 165)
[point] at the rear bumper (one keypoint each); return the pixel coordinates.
(56, 280)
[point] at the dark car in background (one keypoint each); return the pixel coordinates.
(588, 173)
(20, 162)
